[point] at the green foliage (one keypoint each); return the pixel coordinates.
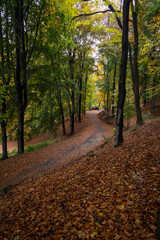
(147, 116)
(30, 148)
(107, 139)
(134, 128)
(40, 145)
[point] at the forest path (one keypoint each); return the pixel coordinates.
(88, 134)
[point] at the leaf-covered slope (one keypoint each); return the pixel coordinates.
(110, 194)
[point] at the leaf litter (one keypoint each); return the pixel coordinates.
(112, 193)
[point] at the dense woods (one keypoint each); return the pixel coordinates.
(61, 58)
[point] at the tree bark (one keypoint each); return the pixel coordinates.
(135, 63)
(153, 98)
(72, 113)
(3, 121)
(113, 89)
(4, 132)
(62, 114)
(22, 60)
(85, 93)
(18, 84)
(108, 91)
(122, 76)
(71, 65)
(80, 99)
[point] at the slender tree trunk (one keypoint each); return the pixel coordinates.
(70, 110)
(136, 72)
(80, 88)
(144, 96)
(18, 84)
(20, 130)
(23, 58)
(122, 77)
(61, 110)
(104, 100)
(153, 102)
(72, 113)
(59, 99)
(85, 94)
(114, 84)
(4, 133)
(62, 118)
(71, 65)
(108, 91)
(135, 80)
(80, 99)
(3, 121)
(153, 98)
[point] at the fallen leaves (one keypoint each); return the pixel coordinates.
(114, 197)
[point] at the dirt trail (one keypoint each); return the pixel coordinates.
(89, 134)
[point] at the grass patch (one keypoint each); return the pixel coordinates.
(134, 128)
(147, 116)
(30, 148)
(40, 145)
(107, 139)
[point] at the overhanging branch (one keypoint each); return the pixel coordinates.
(117, 18)
(90, 14)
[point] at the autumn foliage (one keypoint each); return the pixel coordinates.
(112, 193)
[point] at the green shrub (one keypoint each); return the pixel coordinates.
(39, 145)
(147, 116)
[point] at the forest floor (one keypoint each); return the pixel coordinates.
(110, 193)
(88, 134)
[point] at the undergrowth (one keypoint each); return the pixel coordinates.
(30, 148)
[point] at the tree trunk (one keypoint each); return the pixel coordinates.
(80, 88)
(153, 98)
(113, 89)
(122, 77)
(108, 91)
(20, 130)
(144, 97)
(3, 121)
(135, 80)
(72, 113)
(63, 120)
(4, 134)
(85, 94)
(23, 58)
(80, 99)
(18, 84)
(135, 63)
(71, 65)
(62, 114)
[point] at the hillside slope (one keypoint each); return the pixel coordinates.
(110, 194)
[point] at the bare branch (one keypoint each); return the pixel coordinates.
(117, 18)
(108, 10)
(36, 34)
(90, 14)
